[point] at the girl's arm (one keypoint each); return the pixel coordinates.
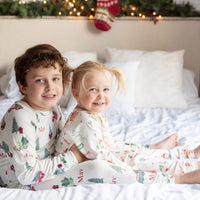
(86, 134)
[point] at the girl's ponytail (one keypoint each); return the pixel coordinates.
(118, 73)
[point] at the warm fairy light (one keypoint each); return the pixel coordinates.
(91, 17)
(21, 2)
(73, 7)
(71, 4)
(133, 8)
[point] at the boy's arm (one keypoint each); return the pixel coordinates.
(21, 145)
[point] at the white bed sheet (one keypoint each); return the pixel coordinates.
(145, 126)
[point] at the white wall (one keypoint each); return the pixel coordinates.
(78, 33)
(195, 3)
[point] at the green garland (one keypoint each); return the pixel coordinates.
(87, 8)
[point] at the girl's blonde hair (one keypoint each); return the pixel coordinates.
(82, 70)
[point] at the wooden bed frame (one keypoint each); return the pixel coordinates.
(80, 34)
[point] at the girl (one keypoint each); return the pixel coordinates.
(87, 127)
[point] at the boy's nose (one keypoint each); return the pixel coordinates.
(49, 85)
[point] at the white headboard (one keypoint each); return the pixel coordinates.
(79, 33)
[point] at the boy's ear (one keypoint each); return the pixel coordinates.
(75, 93)
(21, 88)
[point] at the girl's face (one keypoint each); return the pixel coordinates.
(94, 95)
(44, 87)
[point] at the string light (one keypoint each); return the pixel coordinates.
(87, 8)
(91, 17)
(72, 6)
(133, 8)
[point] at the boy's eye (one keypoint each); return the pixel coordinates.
(56, 79)
(39, 80)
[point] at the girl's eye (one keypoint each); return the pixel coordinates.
(92, 90)
(106, 89)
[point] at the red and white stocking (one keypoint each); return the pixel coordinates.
(105, 14)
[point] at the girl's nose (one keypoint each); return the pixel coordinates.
(101, 94)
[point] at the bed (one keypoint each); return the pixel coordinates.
(162, 65)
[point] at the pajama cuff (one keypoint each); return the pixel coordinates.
(71, 158)
(191, 155)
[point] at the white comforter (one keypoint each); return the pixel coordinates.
(145, 126)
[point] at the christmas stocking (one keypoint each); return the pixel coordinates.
(105, 14)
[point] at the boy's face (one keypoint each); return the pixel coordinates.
(94, 96)
(44, 87)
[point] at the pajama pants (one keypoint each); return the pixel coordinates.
(99, 171)
(160, 160)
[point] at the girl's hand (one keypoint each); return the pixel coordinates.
(79, 156)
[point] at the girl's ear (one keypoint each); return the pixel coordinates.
(75, 93)
(21, 88)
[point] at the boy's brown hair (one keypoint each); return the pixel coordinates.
(43, 55)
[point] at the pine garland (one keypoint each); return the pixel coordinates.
(87, 8)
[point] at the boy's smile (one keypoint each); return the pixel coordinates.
(44, 87)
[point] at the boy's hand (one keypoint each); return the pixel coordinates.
(79, 156)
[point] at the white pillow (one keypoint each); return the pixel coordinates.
(159, 76)
(190, 90)
(124, 102)
(8, 85)
(74, 59)
(119, 55)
